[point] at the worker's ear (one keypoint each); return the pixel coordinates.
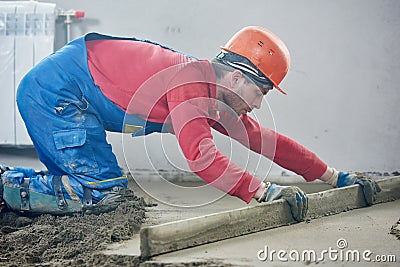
(236, 78)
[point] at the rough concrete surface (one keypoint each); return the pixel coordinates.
(49, 240)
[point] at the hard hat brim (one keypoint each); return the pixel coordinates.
(280, 89)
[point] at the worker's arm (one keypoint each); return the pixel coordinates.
(282, 150)
(294, 157)
(194, 137)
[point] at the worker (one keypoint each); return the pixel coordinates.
(100, 83)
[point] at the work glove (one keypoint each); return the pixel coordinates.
(368, 185)
(294, 196)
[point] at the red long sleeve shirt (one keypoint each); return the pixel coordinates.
(165, 86)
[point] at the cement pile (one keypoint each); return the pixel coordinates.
(48, 240)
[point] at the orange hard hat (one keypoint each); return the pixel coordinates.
(264, 49)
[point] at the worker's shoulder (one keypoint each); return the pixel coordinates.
(193, 71)
(191, 80)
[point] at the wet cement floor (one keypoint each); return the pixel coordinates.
(364, 230)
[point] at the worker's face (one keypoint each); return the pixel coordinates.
(243, 95)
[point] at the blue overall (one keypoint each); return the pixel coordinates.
(66, 116)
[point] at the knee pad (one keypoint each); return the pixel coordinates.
(44, 193)
(20, 199)
(20, 196)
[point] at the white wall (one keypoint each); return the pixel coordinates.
(343, 85)
(26, 37)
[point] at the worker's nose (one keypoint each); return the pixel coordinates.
(257, 102)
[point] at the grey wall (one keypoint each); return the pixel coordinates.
(343, 85)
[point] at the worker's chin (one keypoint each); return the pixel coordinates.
(240, 113)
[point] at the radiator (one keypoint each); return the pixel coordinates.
(26, 37)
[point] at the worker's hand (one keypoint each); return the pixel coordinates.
(368, 184)
(294, 196)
